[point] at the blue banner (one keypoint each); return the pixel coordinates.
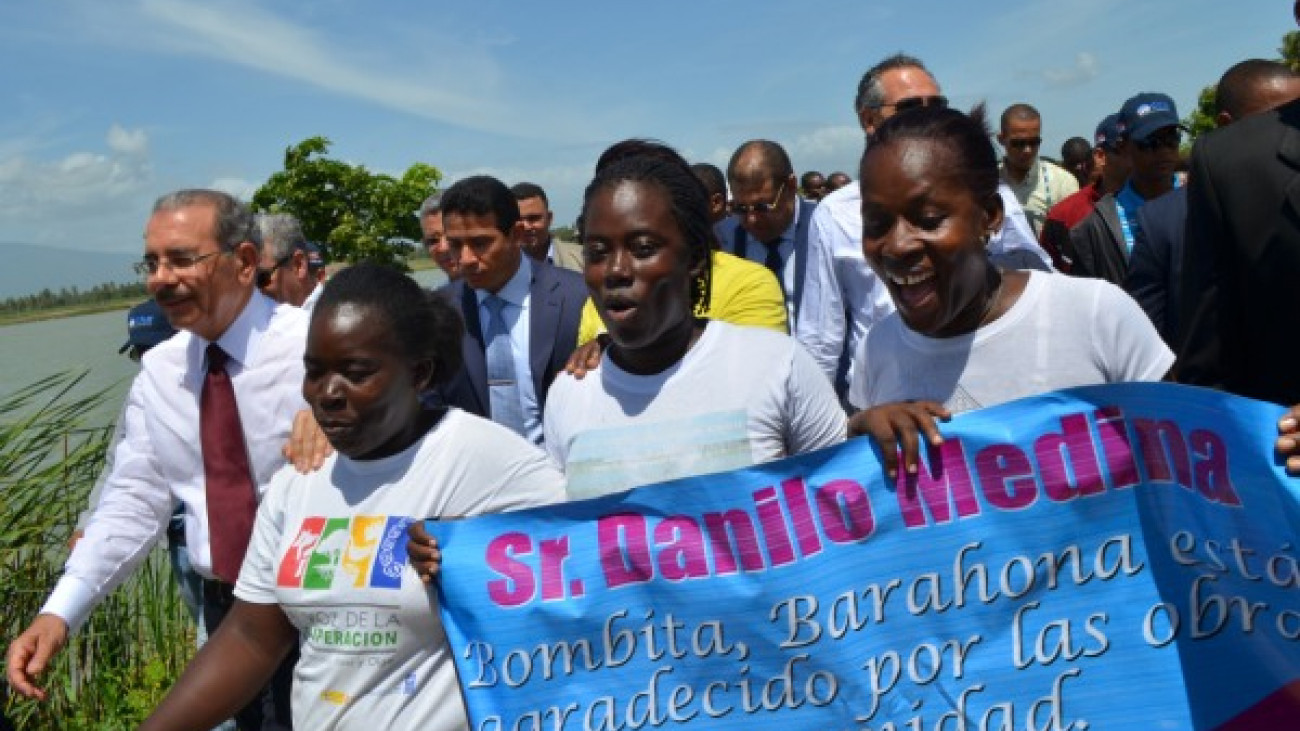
(1106, 557)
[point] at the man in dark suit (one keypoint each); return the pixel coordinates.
(1155, 267)
(1242, 259)
(1156, 263)
(1151, 133)
(521, 315)
(769, 221)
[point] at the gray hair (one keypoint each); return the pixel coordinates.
(281, 234)
(871, 93)
(432, 204)
(234, 224)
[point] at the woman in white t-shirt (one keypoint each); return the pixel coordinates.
(326, 567)
(675, 395)
(966, 334)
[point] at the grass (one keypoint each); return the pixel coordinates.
(117, 668)
(54, 313)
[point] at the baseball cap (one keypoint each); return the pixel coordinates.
(1108, 132)
(1145, 113)
(146, 326)
(315, 259)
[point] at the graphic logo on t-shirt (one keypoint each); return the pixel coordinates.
(351, 552)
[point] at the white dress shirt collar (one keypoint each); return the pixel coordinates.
(240, 341)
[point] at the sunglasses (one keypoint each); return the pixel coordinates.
(1026, 143)
(743, 209)
(264, 275)
(917, 102)
(1170, 140)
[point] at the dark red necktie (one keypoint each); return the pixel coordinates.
(232, 501)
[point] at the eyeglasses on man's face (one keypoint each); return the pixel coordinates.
(1170, 139)
(264, 275)
(1025, 143)
(743, 209)
(916, 102)
(179, 262)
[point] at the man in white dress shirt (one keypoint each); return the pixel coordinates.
(201, 261)
(842, 297)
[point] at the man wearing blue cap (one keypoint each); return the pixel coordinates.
(146, 326)
(1150, 133)
(1112, 173)
(1155, 265)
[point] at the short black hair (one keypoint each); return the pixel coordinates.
(424, 325)
(1238, 86)
(967, 135)
(711, 177)
(480, 195)
(1075, 147)
(648, 161)
(808, 176)
(524, 191)
(1019, 110)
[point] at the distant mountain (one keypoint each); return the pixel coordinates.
(28, 269)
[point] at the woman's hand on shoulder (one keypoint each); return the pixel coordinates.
(900, 426)
(586, 357)
(423, 551)
(307, 447)
(1288, 441)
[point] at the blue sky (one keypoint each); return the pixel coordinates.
(109, 104)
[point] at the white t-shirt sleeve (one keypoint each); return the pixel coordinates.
(814, 418)
(860, 383)
(257, 575)
(555, 431)
(1130, 349)
(506, 472)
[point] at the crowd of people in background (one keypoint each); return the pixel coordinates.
(704, 320)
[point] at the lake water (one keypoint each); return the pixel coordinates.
(32, 351)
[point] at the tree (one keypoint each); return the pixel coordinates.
(1201, 120)
(355, 215)
(1290, 50)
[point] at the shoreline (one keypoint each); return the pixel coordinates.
(57, 313)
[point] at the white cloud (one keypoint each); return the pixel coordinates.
(238, 187)
(79, 199)
(134, 143)
(460, 84)
(30, 189)
(828, 147)
(1085, 69)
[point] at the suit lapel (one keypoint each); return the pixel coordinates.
(475, 359)
(543, 318)
(1110, 214)
(1288, 150)
(801, 254)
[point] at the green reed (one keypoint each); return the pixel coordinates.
(121, 662)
